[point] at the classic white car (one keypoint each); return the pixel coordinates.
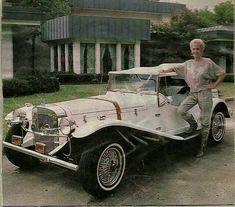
(95, 136)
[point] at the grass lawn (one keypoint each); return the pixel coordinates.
(68, 92)
(227, 89)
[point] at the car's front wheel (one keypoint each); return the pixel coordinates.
(217, 128)
(101, 170)
(19, 159)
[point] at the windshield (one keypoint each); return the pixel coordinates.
(132, 82)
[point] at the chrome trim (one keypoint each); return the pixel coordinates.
(12, 122)
(45, 134)
(42, 157)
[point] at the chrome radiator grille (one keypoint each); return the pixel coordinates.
(43, 118)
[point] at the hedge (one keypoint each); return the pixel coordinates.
(229, 78)
(20, 86)
(73, 78)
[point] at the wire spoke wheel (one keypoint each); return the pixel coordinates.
(218, 126)
(111, 166)
(102, 168)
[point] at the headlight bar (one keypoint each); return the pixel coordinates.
(45, 132)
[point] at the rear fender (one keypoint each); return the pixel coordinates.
(220, 105)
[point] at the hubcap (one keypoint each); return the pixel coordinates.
(111, 167)
(218, 126)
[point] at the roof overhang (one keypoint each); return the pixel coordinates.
(95, 28)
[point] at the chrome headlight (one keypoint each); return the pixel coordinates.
(67, 125)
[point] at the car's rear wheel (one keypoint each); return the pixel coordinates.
(217, 128)
(19, 159)
(102, 169)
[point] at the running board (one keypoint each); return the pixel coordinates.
(186, 136)
(42, 157)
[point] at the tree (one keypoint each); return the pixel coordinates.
(224, 13)
(172, 40)
(185, 21)
(221, 15)
(207, 17)
(51, 9)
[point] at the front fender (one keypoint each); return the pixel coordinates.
(94, 126)
(27, 109)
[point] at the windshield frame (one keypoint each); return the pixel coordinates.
(133, 83)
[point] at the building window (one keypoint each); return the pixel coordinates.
(63, 58)
(55, 58)
(127, 56)
(70, 57)
(87, 58)
(108, 58)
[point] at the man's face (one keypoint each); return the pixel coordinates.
(196, 50)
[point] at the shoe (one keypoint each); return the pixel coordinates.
(200, 154)
(192, 128)
(201, 151)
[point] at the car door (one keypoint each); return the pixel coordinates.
(169, 120)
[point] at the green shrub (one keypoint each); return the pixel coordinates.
(16, 87)
(87, 78)
(49, 84)
(34, 82)
(102, 78)
(65, 78)
(30, 84)
(73, 78)
(229, 78)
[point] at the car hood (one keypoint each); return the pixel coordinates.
(109, 103)
(81, 106)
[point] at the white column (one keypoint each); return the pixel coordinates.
(76, 58)
(66, 52)
(59, 57)
(52, 54)
(119, 57)
(137, 54)
(97, 58)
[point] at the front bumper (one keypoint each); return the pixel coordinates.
(42, 157)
